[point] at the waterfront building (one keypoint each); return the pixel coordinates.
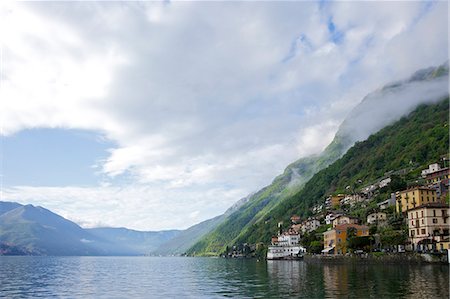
(285, 246)
(335, 240)
(414, 197)
(428, 226)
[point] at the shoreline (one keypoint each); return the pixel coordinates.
(388, 258)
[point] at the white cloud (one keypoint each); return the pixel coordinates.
(200, 94)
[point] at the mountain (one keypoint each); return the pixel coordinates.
(410, 144)
(138, 242)
(38, 231)
(8, 206)
(376, 110)
(187, 238)
(30, 230)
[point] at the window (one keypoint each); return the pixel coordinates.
(422, 213)
(418, 231)
(422, 222)
(434, 220)
(417, 214)
(445, 220)
(434, 213)
(412, 233)
(444, 213)
(423, 231)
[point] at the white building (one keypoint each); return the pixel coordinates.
(286, 246)
(431, 168)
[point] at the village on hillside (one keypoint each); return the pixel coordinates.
(413, 219)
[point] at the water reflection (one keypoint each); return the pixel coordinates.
(353, 280)
(141, 277)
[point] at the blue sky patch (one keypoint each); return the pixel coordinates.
(52, 157)
(336, 35)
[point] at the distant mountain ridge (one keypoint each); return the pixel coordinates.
(377, 110)
(138, 242)
(31, 230)
(38, 231)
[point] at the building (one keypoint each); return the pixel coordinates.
(345, 220)
(376, 218)
(310, 225)
(414, 197)
(296, 227)
(331, 216)
(295, 219)
(387, 203)
(383, 183)
(439, 180)
(431, 169)
(438, 176)
(335, 240)
(285, 246)
(428, 226)
(353, 199)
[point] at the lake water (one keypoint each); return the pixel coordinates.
(153, 277)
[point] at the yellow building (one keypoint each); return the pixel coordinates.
(428, 226)
(335, 240)
(414, 197)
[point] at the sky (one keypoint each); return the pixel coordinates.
(159, 115)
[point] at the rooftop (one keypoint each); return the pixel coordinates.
(431, 205)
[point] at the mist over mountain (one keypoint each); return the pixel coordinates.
(388, 104)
